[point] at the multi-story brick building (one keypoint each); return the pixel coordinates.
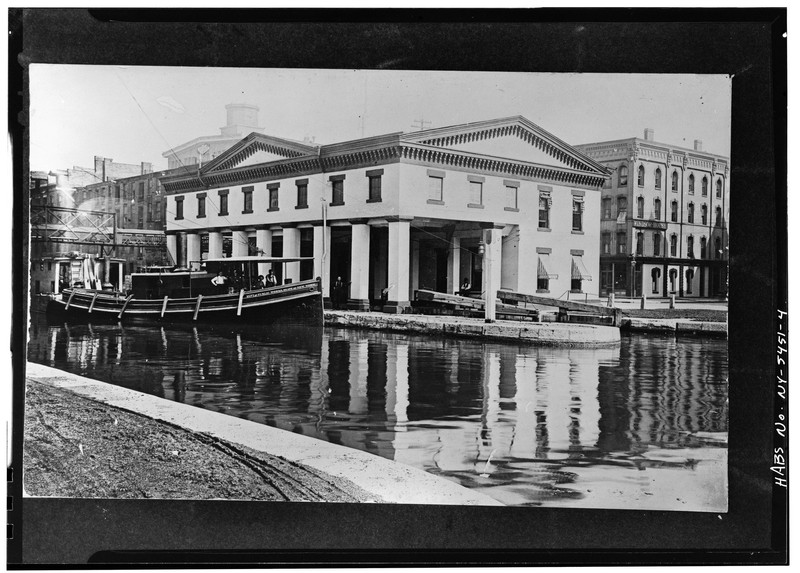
(400, 212)
(664, 218)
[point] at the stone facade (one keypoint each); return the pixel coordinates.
(664, 219)
(501, 203)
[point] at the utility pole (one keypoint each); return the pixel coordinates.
(420, 123)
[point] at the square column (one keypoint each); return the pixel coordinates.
(172, 248)
(182, 250)
(264, 246)
(214, 244)
(359, 268)
(322, 260)
(192, 250)
(239, 244)
(492, 259)
(454, 266)
(414, 267)
(291, 248)
(399, 251)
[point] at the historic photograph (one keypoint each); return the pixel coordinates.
(386, 286)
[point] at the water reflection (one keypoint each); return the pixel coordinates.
(527, 425)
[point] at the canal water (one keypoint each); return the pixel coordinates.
(638, 426)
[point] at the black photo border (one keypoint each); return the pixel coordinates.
(749, 44)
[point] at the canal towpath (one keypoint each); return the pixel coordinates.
(86, 438)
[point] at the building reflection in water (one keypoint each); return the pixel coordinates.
(488, 415)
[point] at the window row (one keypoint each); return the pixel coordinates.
(544, 274)
(273, 189)
(655, 279)
(622, 180)
(436, 191)
(655, 213)
(545, 203)
(622, 245)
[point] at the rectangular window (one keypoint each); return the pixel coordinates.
(475, 191)
(656, 244)
(157, 211)
(577, 214)
(178, 208)
(622, 209)
(248, 199)
(673, 246)
(223, 202)
(435, 189)
(374, 176)
(201, 205)
(606, 207)
(140, 217)
(622, 246)
(302, 194)
(337, 189)
(544, 210)
(141, 191)
(273, 189)
(511, 198)
(606, 243)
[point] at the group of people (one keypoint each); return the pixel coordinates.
(237, 282)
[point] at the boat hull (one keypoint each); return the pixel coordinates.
(298, 303)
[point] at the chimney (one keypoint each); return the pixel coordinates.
(698, 145)
(106, 175)
(649, 133)
(147, 167)
(98, 166)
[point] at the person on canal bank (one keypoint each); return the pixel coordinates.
(339, 298)
(271, 281)
(465, 287)
(259, 283)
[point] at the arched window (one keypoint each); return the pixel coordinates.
(691, 184)
(704, 214)
(673, 274)
(674, 212)
(704, 188)
(717, 248)
(623, 176)
(689, 280)
(658, 178)
(719, 188)
(640, 243)
(655, 274)
(690, 213)
(640, 176)
(675, 181)
(640, 207)
(690, 246)
(703, 247)
(718, 217)
(656, 244)
(673, 245)
(657, 209)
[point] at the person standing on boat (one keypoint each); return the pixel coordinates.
(465, 287)
(271, 280)
(339, 293)
(220, 281)
(259, 282)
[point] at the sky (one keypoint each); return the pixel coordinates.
(133, 114)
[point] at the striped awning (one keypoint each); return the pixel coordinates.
(579, 271)
(543, 272)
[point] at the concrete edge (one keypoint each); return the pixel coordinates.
(392, 482)
(536, 333)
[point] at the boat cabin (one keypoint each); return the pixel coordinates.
(210, 277)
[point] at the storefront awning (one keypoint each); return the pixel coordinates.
(543, 272)
(579, 271)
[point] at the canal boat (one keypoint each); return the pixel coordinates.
(214, 290)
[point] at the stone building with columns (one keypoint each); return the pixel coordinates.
(664, 218)
(502, 203)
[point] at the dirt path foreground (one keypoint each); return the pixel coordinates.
(77, 447)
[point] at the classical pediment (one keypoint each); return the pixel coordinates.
(257, 149)
(513, 138)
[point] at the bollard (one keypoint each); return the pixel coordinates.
(611, 299)
(672, 301)
(644, 302)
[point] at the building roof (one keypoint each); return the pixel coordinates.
(512, 146)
